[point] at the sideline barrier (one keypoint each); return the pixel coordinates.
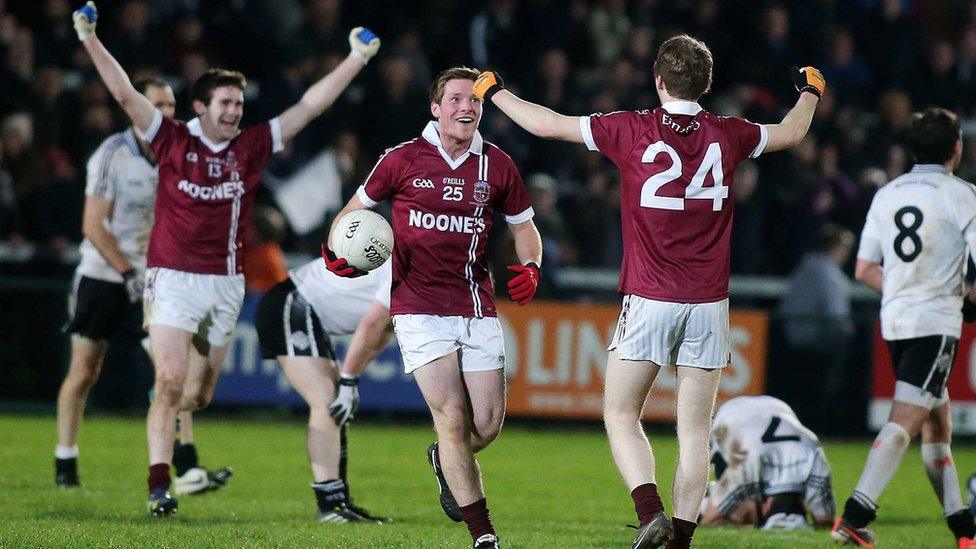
(556, 355)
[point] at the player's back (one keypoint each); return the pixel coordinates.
(677, 164)
(919, 221)
(341, 303)
(760, 419)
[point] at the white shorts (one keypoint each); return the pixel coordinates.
(425, 338)
(202, 304)
(682, 334)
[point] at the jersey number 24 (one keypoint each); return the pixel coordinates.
(712, 162)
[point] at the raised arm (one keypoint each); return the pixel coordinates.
(363, 45)
(139, 109)
(788, 133)
(538, 120)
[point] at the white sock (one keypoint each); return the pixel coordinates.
(66, 452)
(941, 471)
(883, 460)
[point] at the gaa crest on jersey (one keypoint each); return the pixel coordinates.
(482, 192)
(191, 156)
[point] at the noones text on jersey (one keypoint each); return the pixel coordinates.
(446, 223)
(222, 191)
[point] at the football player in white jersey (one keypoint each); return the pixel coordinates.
(919, 233)
(294, 321)
(770, 470)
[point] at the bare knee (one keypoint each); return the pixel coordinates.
(615, 417)
(487, 431)
(84, 373)
(169, 387)
(451, 423)
(938, 426)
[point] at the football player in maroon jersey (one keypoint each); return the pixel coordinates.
(209, 170)
(676, 165)
(445, 187)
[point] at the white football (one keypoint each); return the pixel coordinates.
(363, 238)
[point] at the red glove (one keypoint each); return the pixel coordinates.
(522, 287)
(338, 265)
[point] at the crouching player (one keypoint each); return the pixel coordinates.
(294, 321)
(770, 470)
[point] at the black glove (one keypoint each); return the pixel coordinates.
(968, 310)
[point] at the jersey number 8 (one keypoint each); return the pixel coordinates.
(695, 190)
(908, 232)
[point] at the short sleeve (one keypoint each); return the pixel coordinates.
(259, 141)
(163, 133)
(381, 181)
(964, 209)
(515, 203)
(870, 247)
(100, 172)
(613, 134)
(749, 139)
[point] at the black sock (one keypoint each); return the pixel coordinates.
(329, 494)
(857, 514)
(962, 525)
(69, 465)
(344, 461)
(184, 458)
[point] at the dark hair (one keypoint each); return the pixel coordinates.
(933, 134)
(685, 65)
(203, 88)
(453, 73)
(143, 84)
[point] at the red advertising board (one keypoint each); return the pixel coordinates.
(556, 356)
(962, 383)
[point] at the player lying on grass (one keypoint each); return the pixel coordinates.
(209, 170)
(770, 470)
(677, 164)
(295, 320)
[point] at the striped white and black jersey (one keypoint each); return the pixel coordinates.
(119, 172)
(921, 229)
(761, 449)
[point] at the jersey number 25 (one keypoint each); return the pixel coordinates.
(695, 190)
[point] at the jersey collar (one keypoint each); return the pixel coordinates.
(690, 108)
(432, 133)
(196, 130)
(929, 168)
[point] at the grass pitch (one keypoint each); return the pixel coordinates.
(547, 487)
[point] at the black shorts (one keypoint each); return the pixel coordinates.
(924, 362)
(287, 325)
(97, 309)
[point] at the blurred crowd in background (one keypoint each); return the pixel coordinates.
(883, 59)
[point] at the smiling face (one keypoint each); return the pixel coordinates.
(459, 111)
(221, 118)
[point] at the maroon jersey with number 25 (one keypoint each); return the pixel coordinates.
(442, 211)
(676, 165)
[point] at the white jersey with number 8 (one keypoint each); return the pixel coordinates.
(920, 228)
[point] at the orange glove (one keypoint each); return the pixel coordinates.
(809, 79)
(487, 85)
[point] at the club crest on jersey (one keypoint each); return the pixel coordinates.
(231, 163)
(482, 192)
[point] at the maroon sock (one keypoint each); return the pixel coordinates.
(647, 502)
(683, 532)
(159, 476)
(476, 517)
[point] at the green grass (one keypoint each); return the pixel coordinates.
(547, 488)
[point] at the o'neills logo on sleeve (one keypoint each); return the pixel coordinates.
(446, 223)
(222, 191)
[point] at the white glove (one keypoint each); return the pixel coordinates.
(346, 403)
(85, 19)
(135, 285)
(363, 43)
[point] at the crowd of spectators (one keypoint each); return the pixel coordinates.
(882, 59)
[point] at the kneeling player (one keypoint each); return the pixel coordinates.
(294, 322)
(771, 470)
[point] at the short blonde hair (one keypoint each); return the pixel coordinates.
(453, 73)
